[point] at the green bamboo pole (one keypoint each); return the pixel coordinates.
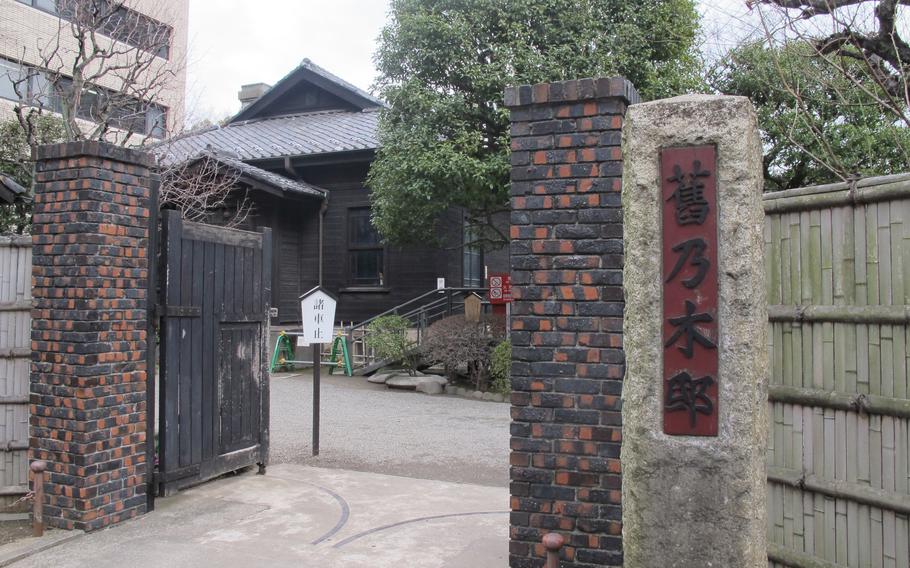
(795, 559)
(868, 403)
(878, 314)
(870, 190)
(885, 500)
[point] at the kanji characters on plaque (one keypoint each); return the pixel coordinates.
(690, 326)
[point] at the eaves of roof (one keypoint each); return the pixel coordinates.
(279, 182)
(11, 191)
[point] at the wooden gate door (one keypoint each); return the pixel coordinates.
(214, 390)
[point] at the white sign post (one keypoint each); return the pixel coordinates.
(318, 320)
(318, 309)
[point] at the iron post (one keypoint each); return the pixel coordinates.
(38, 468)
(553, 543)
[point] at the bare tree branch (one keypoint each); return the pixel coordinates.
(868, 34)
(103, 73)
(203, 189)
(809, 8)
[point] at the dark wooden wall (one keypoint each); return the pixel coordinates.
(410, 271)
(305, 99)
(294, 223)
(296, 242)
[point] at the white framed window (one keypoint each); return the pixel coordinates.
(365, 250)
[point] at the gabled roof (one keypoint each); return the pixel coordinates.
(309, 112)
(304, 134)
(10, 191)
(308, 72)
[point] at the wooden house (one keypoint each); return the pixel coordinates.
(302, 150)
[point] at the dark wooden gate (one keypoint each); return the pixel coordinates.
(214, 390)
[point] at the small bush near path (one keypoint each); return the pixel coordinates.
(454, 341)
(501, 368)
(387, 336)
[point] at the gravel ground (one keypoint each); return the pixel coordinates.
(368, 427)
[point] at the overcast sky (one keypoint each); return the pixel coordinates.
(235, 42)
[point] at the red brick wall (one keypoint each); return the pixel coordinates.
(567, 358)
(89, 331)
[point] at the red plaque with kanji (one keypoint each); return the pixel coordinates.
(690, 326)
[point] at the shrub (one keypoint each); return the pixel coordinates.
(453, 341)
(501, 368)
(387, 336)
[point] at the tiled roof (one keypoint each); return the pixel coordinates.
(293, 135)
(272, 179)
(275, 180)
(10, 191)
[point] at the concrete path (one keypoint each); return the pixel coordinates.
(367, 427)
(304, 516)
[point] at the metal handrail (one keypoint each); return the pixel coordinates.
(395, 310)
(420, 316)
(424, 308)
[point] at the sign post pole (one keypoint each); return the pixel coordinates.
(317, 308)
(509, 320)
(316, 389)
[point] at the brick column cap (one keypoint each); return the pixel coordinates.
(95, 149)
(576, 90)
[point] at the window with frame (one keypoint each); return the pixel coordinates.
(365, 250)
(11, 80)
(115, 21)
(49, 6)
(22, 83)
(472, 259)
(27, 84)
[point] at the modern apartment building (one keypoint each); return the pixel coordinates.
(37, 48)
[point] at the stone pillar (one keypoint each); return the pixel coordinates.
(695, 392)
(89, 325)
(567, 358)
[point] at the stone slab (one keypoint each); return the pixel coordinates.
(430, 387)
(408, 382)
(379, 378)
(403, 382)
(690, 500)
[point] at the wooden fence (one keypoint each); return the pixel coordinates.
(838, 267)
(15, 357)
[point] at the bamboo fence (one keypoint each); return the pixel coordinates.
(15, 356)
(838, 281)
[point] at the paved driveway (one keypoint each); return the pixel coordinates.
(302, 516)
(443, 502)
(368, 427)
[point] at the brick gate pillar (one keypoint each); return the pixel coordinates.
(90, 272)
(567, 358)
